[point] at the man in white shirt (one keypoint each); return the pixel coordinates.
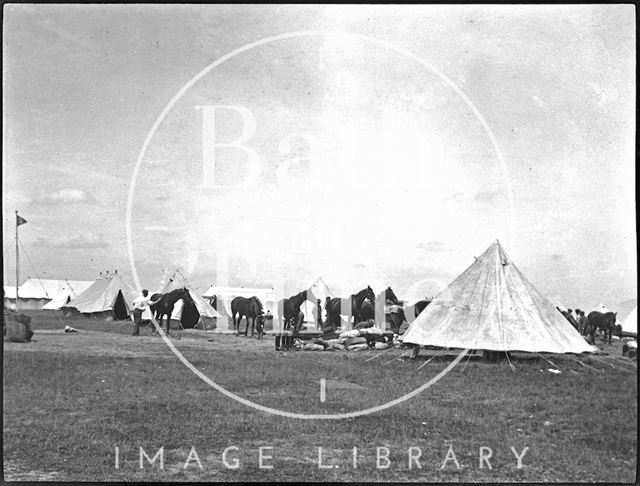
(141, 304)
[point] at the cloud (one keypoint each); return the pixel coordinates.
(66, 196)
(556, 257)
(433, 246)
(75, 242)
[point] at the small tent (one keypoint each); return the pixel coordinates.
(35, 293)
(319, 290)
(603, 309)
(109, 298)
(492, 306)
(224, 296)
(70, 290)
(199, 314)
(630, 323)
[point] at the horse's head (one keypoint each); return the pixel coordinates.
(390, 295)
(369, 294)
(258, 304)
(186, 296)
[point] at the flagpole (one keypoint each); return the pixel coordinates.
(17, 260)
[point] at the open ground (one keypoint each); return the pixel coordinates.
(71, 399)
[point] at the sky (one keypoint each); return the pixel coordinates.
(380, 145)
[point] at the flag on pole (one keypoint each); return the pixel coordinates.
(20, 220)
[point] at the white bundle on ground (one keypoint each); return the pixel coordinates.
(358, 347)
(313, 347)
(348, 334)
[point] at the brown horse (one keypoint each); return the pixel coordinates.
(290, 315)
(249, 308)
(605, 322)
(334, 307)
(166, 305)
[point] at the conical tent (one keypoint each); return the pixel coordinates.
(198, 314)
(630, 323)
(319, 290)
(603, 309)
(492, 306)
(109, 297)
(69, 291)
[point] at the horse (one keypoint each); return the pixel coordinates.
(213, 301)
(334, 307)
(396, 318)
(367, 310)
(166, 304)
(420, 306)
(289, 310)
(605, 322)
(249, 308)
(390, 297)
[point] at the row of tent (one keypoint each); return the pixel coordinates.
(45, 294)
(111, 297)
(491, 306)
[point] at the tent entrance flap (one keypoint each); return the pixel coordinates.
(120, 310)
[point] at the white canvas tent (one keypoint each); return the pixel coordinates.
(35, 293)
(69, 291)
(226, 294)
(319, 290)
(603, 309)
(200, 314)
(630, 323)
(492, 306)
(109, 297)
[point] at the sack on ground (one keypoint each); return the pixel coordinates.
(358, 347)
(352, 333)
(17, 327)
(355, 340)
(313, 347)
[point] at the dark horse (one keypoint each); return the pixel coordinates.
(390, 297)
(166, 304)
(290, 315)
(249, 308)
(334, 307)
(605, 322)
(420, 306)
(367, 310)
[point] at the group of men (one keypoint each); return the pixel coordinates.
(579, 320)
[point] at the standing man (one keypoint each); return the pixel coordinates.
(319, 314)
(140, 305)
(582, 322)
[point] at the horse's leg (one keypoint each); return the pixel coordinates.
(285, 336)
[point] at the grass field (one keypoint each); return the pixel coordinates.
(71, 399)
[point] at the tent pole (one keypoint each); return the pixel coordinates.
(17, 261)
